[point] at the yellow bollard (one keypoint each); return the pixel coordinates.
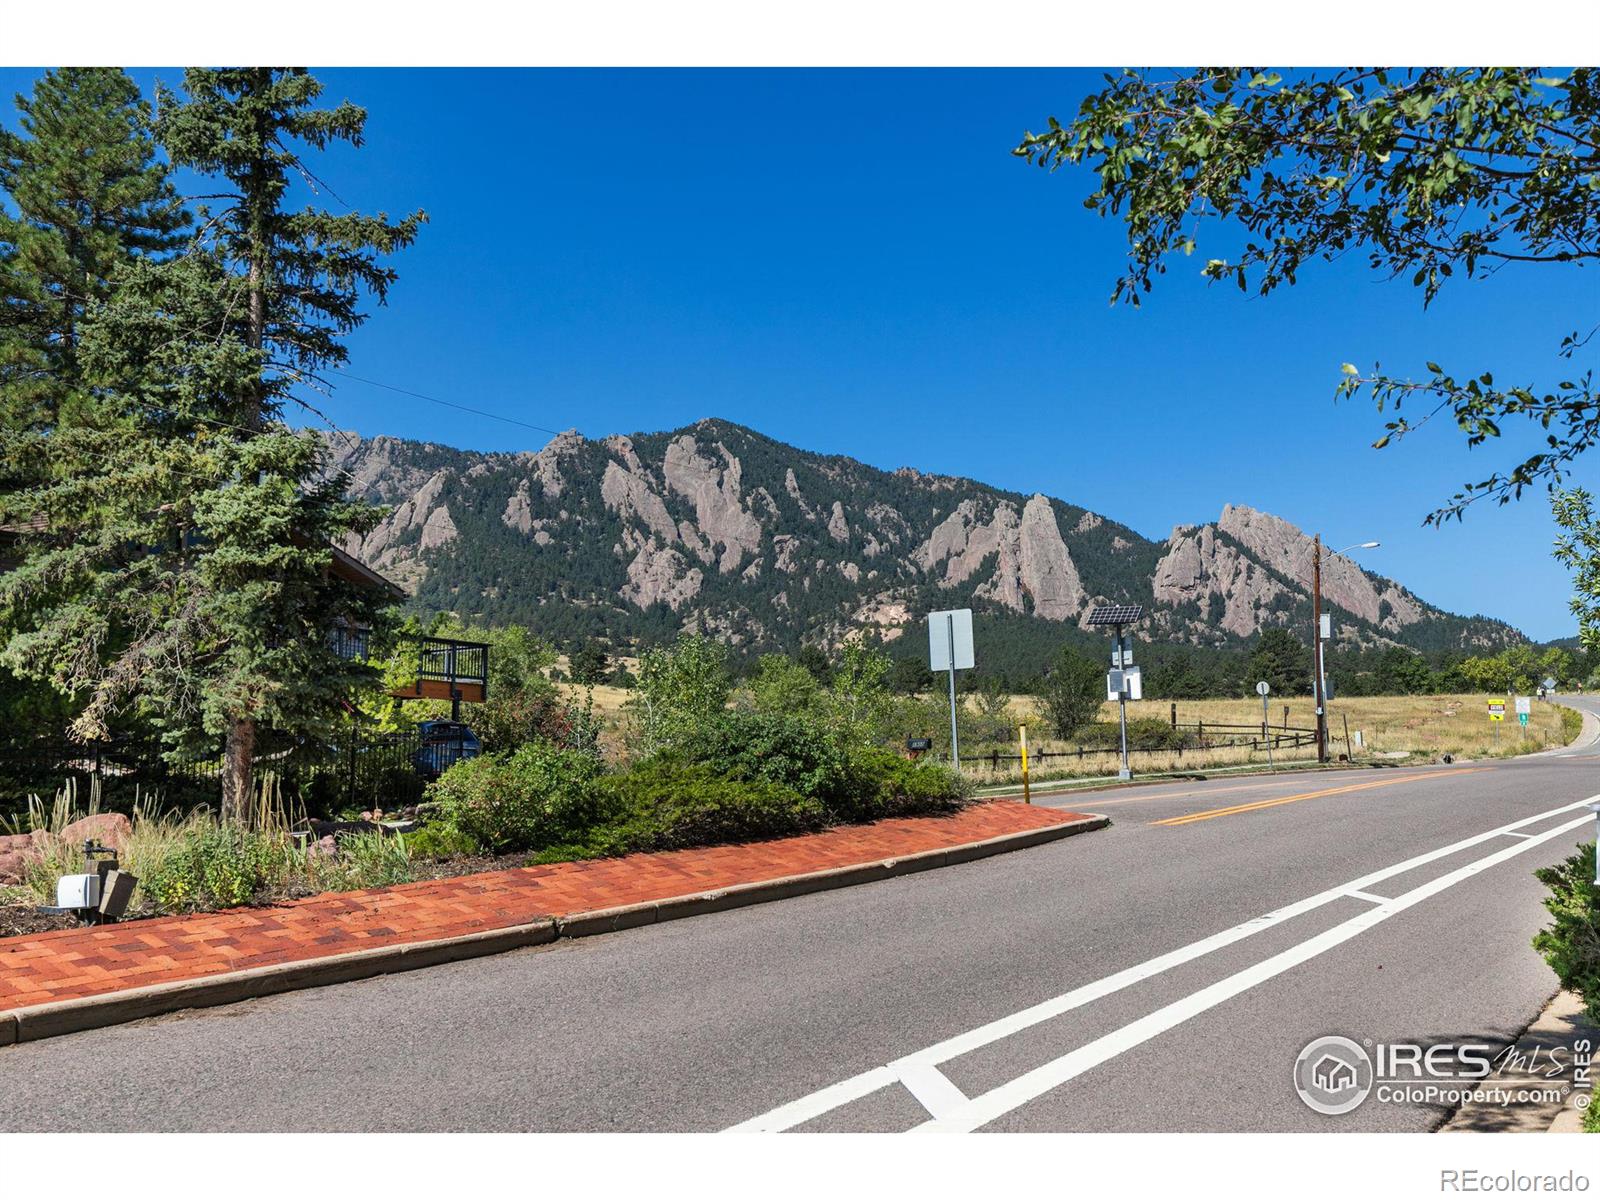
(1027, 797)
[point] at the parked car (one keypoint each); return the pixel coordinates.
(443, 744)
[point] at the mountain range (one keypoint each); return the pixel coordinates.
(717, 528)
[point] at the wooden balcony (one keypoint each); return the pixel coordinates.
(447, 668)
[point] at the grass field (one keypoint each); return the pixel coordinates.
(1381, 728)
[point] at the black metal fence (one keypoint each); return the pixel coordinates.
(357, 770)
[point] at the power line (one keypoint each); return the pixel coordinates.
(447, 403)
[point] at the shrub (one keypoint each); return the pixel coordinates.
(787, 750)
(665, 804)
(217, 866)
(901, 788)
(1571, 724)
(679, 689)
(1572, 943)
(523, 800)
(438, 840)
(1072, 691)
(536, 713)
(363, 860)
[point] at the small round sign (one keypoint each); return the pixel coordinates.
(1263, 688)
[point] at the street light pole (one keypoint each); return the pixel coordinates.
(1316, 650)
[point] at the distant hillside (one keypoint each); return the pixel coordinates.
(717, 528)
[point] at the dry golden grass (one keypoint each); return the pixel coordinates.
(1393, 728)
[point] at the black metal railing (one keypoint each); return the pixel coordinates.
(454, 661)
(349, 642)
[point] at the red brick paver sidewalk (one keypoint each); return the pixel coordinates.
(73, 963)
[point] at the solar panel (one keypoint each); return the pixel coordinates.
(1116, 614)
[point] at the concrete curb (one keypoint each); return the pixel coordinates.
(1548, 1038)
(92, 1012)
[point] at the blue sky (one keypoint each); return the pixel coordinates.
(853, 262)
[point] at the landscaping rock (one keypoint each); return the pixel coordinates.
(109, 829)
(14, 865)
(17, 852)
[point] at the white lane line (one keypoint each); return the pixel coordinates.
(809, 1107)
(1354, 895)
(993, 1104)
(1514, 833)
(933, 1090)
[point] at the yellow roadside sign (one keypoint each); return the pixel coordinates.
(1497, 710)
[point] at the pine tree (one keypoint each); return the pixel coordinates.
(191, 528)
(304, 273)
(89, 195)
(1282, 661)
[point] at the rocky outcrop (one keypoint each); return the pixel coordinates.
(1030, 557)
(1287, 550)
(1198, 566)
(720, 514)
(660, 575)
(1048, 574)
(546, 467)
(518, 512)
(627, 491)
(838, 527)
(740, 532)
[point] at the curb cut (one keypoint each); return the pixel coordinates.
(92, 1012)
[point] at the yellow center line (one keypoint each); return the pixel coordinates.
(1189, 818)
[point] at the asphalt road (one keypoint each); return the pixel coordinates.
(1117, 981)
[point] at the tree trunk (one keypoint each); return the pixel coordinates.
(238, 757)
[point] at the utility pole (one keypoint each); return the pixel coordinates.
(1316, 650)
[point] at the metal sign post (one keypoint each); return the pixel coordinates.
(950, 649)
(955, 736)
(1595, 809)
(1264, 689)
(1122, 703)
(1122, 681)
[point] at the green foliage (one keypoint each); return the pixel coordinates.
(438, 840)
(1578, 549)
(666, 804)
(88, 194)
(779, 684)
(1144, 733)
(524, 799)
(1571, 944)
(1571, 725)
(679, 690)
(815, 660)
(363, 860)
(588, 663)
(1072, 691)
(1429, 172)
(793, 751)
(1281, 660)
(220, 621)
(887, 785)
(217, 866)
(908, 676)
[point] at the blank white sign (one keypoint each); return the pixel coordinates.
(944, 626)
